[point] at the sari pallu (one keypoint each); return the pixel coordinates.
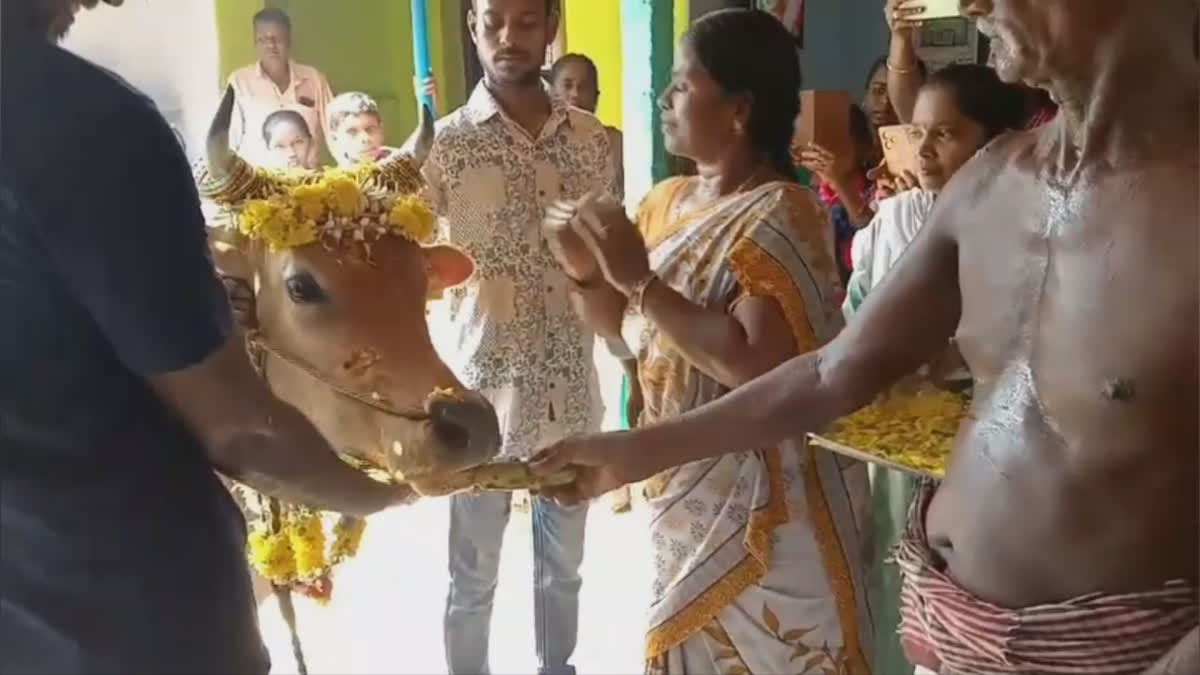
(758, 560)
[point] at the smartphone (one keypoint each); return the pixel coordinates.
(899, 148)
(825, 120)
(934, 9)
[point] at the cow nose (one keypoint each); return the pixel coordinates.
(466, 425)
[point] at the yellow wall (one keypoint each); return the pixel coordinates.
(682, 17)
(594, 29)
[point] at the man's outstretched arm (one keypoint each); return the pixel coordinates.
(907, 320)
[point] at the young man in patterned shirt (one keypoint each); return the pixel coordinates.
(509, 333)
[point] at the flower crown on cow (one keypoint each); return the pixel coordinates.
(288, 209)
(290, 544)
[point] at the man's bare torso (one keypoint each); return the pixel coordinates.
(1077, 471)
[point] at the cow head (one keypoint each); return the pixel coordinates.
(342, 316)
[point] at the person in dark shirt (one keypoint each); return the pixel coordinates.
(123, 387)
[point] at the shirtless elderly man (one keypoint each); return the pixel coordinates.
(1064, 262)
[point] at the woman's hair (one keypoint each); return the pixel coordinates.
(748, 51)
(881, 63)
(860, 126)
(284, 117)
(982, 97)
(566, 59)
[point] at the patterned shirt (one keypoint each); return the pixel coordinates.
(509, 332)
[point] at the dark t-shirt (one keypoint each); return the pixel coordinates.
(120, 550)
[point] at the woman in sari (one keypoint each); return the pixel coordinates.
(758, 566)
(958, 111)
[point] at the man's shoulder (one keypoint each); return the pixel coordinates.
(984, 172)
(305, 71)
(77, 81)
(240, 74)
(586, 126)
(86, 100)
(455, 124)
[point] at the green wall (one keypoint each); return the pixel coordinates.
(360, 45)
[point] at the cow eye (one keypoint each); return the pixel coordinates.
(303, 289)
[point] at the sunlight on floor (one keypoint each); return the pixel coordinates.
(386, 613)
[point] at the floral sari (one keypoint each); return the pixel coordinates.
(759, 564)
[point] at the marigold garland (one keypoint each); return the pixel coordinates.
(294, 546)
(296, 555)
(288, 209)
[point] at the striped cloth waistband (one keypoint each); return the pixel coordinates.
(942, 626)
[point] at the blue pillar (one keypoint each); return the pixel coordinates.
(421, 66)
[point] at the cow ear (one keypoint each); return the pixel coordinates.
(447, 268)
(233, 257)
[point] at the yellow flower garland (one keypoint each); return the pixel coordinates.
(290, 545)
(331, 203)
(290, 548)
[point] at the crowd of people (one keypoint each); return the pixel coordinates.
(1048, 240)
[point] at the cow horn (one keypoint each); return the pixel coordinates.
(420, 142)
(220, 157)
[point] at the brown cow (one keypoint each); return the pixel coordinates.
(346, 338)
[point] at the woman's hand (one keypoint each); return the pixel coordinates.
(887, 185)
(567, 247)
(615, 242)
(897, 13)
(831, 168)
(604, 462)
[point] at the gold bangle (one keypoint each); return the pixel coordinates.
(895, 69)
(637, 296)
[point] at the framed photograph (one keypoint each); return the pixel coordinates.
(790, 13)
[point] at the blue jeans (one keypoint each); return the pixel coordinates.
(477, 525)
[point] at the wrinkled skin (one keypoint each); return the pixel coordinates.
(355, 314)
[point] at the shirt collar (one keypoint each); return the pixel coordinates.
(483, 106)
(293, 72)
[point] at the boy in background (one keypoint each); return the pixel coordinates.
(575, 79)
(356, 129)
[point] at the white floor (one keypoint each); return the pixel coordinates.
(386, 613)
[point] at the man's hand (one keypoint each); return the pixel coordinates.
(426, 87)
(603, 463)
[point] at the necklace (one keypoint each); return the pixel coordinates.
(678, 209)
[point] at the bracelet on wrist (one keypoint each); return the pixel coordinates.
(637, 294)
